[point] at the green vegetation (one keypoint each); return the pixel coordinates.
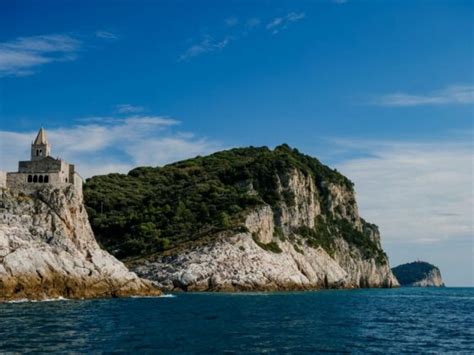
(360, 240)
(319, 236)
(325, 230)
(272, 246)
(150, 210)
(297, 249)
(278, 232)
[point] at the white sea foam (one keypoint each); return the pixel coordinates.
(25, 300)
(161, 296)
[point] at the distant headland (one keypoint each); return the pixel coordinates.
(418, 274)
(245, 219)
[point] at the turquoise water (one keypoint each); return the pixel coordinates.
(398, 320)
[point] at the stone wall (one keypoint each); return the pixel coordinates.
(48, 166)
(40, 151)
(19, 181)
(48, 171)
(40, 166)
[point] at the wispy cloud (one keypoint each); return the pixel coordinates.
(455, 94)
(99, 146)
(127, 108)
(237, 29)
(281, 23)
(24, 55)
(106, 35)
(415, 192)
(231, 21)
(253, 22)
(207, 45)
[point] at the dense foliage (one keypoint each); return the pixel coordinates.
(153, 209)
(407, 274)
(322, 235)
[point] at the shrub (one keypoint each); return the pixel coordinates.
(271, 247)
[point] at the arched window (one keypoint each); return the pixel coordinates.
(35, 178)
(46, 179)
(40, 179)
(37, 152)
(66, 179)
(30, 178)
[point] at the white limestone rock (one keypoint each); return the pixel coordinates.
(239, 261)
(418, 274)
(47, 250)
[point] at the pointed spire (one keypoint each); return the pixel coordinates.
(41, 137)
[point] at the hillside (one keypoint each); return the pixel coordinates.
(157, 215)
(418, 274)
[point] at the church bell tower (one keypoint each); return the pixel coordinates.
(40, 148)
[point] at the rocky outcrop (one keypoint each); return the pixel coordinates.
(418, 274)
(432, 279)
(48, 250)
(313, 238)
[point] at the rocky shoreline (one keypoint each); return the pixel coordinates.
(48, 250)
(236, 263)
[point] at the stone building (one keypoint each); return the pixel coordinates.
(41, 169)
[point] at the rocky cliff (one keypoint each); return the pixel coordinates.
(281, 249)
(48, 250)
(418, 274)
(244, 219)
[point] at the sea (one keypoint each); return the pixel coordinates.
(404, 320)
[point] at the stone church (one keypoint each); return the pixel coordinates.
(41, 169)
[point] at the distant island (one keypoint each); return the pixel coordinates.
(418, 274)
(245, 219)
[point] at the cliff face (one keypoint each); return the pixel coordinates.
(48, 250)
(432, 279)
(311, 238)
(418, 274)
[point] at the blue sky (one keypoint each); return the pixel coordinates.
(383, 91)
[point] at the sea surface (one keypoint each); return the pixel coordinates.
(408, 320)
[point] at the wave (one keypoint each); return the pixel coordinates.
(167, 295)
(25, 300)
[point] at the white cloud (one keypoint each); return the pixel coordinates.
(127, 108)
(170, 149)
(207, 45)
(106, 35)
(253, 22)
(281, 23)
(231, 21)
(236, 30)
(24, 55)
(455, 94)
(107, 145)
(415, 192)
